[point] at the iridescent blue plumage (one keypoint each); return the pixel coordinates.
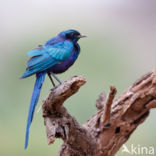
(56, 56)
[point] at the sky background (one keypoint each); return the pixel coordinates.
(119, 48)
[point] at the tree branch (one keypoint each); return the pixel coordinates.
(111, 126)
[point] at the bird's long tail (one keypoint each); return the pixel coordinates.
(34, 99)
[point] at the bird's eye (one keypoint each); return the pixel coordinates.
(70, 36)
(75, 35)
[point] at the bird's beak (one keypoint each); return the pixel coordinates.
(81, 36)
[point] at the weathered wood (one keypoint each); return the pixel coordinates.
(111, 126)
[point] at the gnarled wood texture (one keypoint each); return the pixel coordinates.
(111, 126)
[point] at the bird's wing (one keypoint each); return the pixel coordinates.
(45, 57)
(60, 51)
(36, 52)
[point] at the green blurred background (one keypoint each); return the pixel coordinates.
(120, 47)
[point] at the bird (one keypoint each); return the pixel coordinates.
(54, 57)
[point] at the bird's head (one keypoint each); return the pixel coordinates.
(71, 35)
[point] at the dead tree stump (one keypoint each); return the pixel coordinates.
(110, 127)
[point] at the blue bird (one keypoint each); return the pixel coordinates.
(55, 57)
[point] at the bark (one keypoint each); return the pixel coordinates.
(110, 127)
